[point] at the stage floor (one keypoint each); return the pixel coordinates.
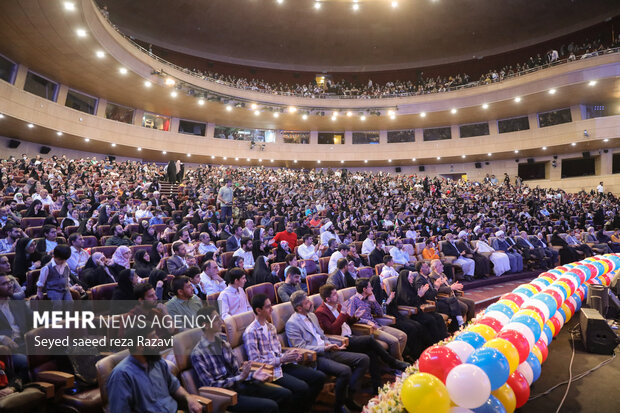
(598, 392)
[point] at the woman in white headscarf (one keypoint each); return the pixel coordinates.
(501, 262)
(120, 260)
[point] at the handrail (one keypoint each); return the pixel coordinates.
(336, 96)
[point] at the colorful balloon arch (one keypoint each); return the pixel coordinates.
(490, 365)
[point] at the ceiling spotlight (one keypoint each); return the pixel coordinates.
(139, 149)
(390, 112)
(212, 156)
(363, 117)
(518, 99)
(573, 144)
(1, 116)
(189, 155)
(544, 148)
(552, 91)
(413, 159)
(225, 157)
(81, 32)
(389, 160)
(463, 156)
(100, 54)
(318, 161)
(439, 158)
(592, 83)
(516, 151)
(606, 140)
(247, 159)
(59, 133)
(279, 1)
(147, 83)
(30, 125)
(228, 108)
(356, 7)
(260, 160)
(365, 160)
(489, 154)
(164, 152)
(304, 116)
(392, 117)
(342, 161)
(113, 145)
(169, 81)
(123, 70)
(201, 102)
(236, 159)
(485, 106)
(86, 140)
(271, 160)
(174, 93)
(453, 111)
(256, 112)
(349, 113)
(317, 5)
(276, 115)
(253, 105)
(335, 114)
(423, 114)
(292, 109)
(69, 6)
(295, 161)
(394, 4)
(334, 117)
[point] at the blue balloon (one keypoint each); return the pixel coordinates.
(492, 405)
(474, 339)
(599, 265)
(493, 363)
(548, 333)
(502, 308)
(563, 313)
(543, 281)
(532, 360)
(585, 290)
(577, 300)
(556, 272)
(615, 259)
(523, 290)
(530, 322)
(548, 301)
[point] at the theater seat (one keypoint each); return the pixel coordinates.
(365, 272)
(34, 232)
(102, 292)
(389, 285)
(378, 269)
(279, 316)
(107, 250)
(324, 264)
(90, 241)
(311, 267)
(263, 288)
(226, 258)
(31, 282)
(282, 266)
(275, 289)
(315, 281)
(32, 222)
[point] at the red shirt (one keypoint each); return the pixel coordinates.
(285, 236)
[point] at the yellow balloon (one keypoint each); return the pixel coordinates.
(484, 330)
(508, 350)
(531, 288)
(423, 392)
(537, 353)
(513, 306)
(564, 286)
(534, 315)
(544, 277)
(507, 397)
(551, 327)
(567, 311)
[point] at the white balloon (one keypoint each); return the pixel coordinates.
(523, 329)
(527, 372)
(461, 348)
(499, 316)
(468, 386)
(544, 338)
(540, 305)
(459, 409)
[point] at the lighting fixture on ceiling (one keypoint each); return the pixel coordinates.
(164, 152)
(276, 115)
(606, 140)
(212, 156)
(228, 108)
(139, 149)
(225, 158)
(489, 154)
(1, 116)
(69, 6)
(169, 81)
(318, 161)
(389, 160)
(518, 99)
(574, 144)
(189, 155)
(365, 160)
(317, 5)
(174, 93)
(342, 161)
(30, 125)
(147, 83)
(201, 102)
(113, 145)
(81, 32)
(413, 159)
(334, 117)
(256, 113)
(100, 54)
(463, 156)
(552, 91)
(439, 158)
(260, 160)
(86, 140)
(356, 7)
(349, 113)
(485, 106)
(247, 159)
(394, 4)
(363, 118)
(592, 83)
(453, 111)
(544, 148)
(292, 109)
(423, 114)
(304, 116)
(271, 160)
(59, 133)
(253, 106)
(123, 70)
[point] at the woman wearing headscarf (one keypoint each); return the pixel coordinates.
(262, 272)
(407, 294)
(120, 260)
(123, 293)
(157, 279)
(96, 272)
(149, 236)
(26, 258)
(142, 263)
(418, 338)
(35, 210)
(158, 253)
(72, 219)
(282, 251)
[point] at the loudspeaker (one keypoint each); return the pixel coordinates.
(421, 168)
(13, 143)
(614, 306)
(596, 335)
(598, 298)
(586, 155)
(530, 160)
(397, 169)
(478, 165)
(45, 150)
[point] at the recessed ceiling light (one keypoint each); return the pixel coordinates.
(318, 161)
(544, 148)
(81, 32)
(86, 140)
(30, 125)
(212, 156)
(292, 109)
(413, 159)
(349, 113)
(260, 160)
(189, 155)
(304, 116)
(123, 70)
(485, 106)
(394, 4)
(271, 160)
(279, 1)
(552, 91)
(169, 81)
(489, 154)
(59, 133)
(247, 159)
(201, 102)
(113, 145)
(390, 112)
(253, 105)
(356, 7)
(453, 111)
(69, 6)
(139, 149)
(174, 93)
(363, 117)
(276, 115)
(147, 83)
(100, 54)
(574, 144)
(256, 112)
(236, 159)
(392, 117)
(365, 160)
(423, 114)
(606, 140)
(463, 156)
(225, 158)
(516, 151)
(164, 152)
(335, 114)
(1, 116)
(317, 5)
(439, 158)
(334, 117)
(518, 99)
(228, 108)
(295, 161)
(592, 83)
(389, 160)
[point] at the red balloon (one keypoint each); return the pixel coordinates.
(491, 322)
(593, 270)
(556, 296)
(570, 306)
(562, 268)
(536, 286)
(519, 386)
(536, 309)
(557, 325)
(543, 349)
(514, 298)
(581, 294)
(606, 279)
(519, 341)
(438, 361)
(580, 274)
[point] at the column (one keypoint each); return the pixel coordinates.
(20, 76)
(101, 107)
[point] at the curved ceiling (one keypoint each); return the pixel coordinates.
(294, 35)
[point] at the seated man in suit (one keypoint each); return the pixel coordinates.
(233, 243)
(335, 321)
(551, 254)
(529, 251)
(502, 244)
(303, 331)
(467, 305)
(341, 277)
(451, 249)
(179, 263)
(376, 256)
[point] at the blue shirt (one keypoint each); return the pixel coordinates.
(134, 388)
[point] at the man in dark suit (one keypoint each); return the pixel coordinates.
(341, 277)
(376, 256)
(531, 252)
(15, 319)
(179, 263)
(449, 248)
(233, 243)
(552, 255)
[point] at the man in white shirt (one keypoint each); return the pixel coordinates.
(245, 251)
(327, 234)
(79, 256)
(248, 230)
(388, 268)
(205, 244)
(233, 299)
(44, 197)
(401, 256)
(210, 279)
(343, 250)
(369, 244)
(308, 251)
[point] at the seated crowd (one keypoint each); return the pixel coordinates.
(357, 273)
